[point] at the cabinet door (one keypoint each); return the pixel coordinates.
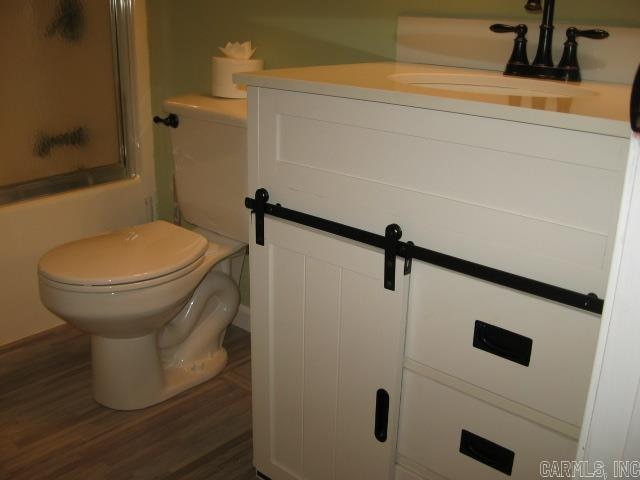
(325, 337)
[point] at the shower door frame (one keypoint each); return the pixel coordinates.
(121, 13)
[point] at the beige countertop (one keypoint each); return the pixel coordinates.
(601, 108)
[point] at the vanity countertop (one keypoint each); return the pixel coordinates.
(601, 108)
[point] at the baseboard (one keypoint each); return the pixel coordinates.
(243, 318)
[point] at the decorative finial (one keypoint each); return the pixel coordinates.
(533, 6)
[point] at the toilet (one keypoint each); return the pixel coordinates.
(157, 298)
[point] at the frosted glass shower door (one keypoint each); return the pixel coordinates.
(60, 116)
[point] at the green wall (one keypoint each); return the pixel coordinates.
(183, 34)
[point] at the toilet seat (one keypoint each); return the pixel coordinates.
(124, 287)
(130, 258)
(214, 254)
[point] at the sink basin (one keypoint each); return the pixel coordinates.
(486, 83)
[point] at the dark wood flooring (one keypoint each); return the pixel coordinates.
(51, 428)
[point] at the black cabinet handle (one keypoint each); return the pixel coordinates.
(170, 120)
(392, 234)
(502, 343)
(382, 415)
(487, 452)
(635, 103)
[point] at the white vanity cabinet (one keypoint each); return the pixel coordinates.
(493, 380)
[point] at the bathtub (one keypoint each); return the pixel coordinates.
(31, 227)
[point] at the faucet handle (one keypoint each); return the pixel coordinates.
(595, 33)
(502, 28)
(569, 60)
(519, 54)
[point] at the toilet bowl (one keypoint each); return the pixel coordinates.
(154, 304)
(157, 298)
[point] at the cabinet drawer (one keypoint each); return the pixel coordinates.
(433, 418)
(524, 348)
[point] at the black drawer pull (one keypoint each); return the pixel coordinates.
(382, 415)
(503, 343)
(487, 452)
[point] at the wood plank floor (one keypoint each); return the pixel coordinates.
(51, 428)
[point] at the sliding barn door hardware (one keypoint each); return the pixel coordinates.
(259, 206)
(389, 243)
(408, 256)
(393, 247)
(392, 236)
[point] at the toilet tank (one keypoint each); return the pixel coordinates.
(209, 150)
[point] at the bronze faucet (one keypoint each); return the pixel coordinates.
(542, 65)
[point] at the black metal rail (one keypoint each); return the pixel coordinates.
(391, 244)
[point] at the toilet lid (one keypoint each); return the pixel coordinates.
(129, 255)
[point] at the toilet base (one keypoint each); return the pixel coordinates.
(179, 379)
(128, 373)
